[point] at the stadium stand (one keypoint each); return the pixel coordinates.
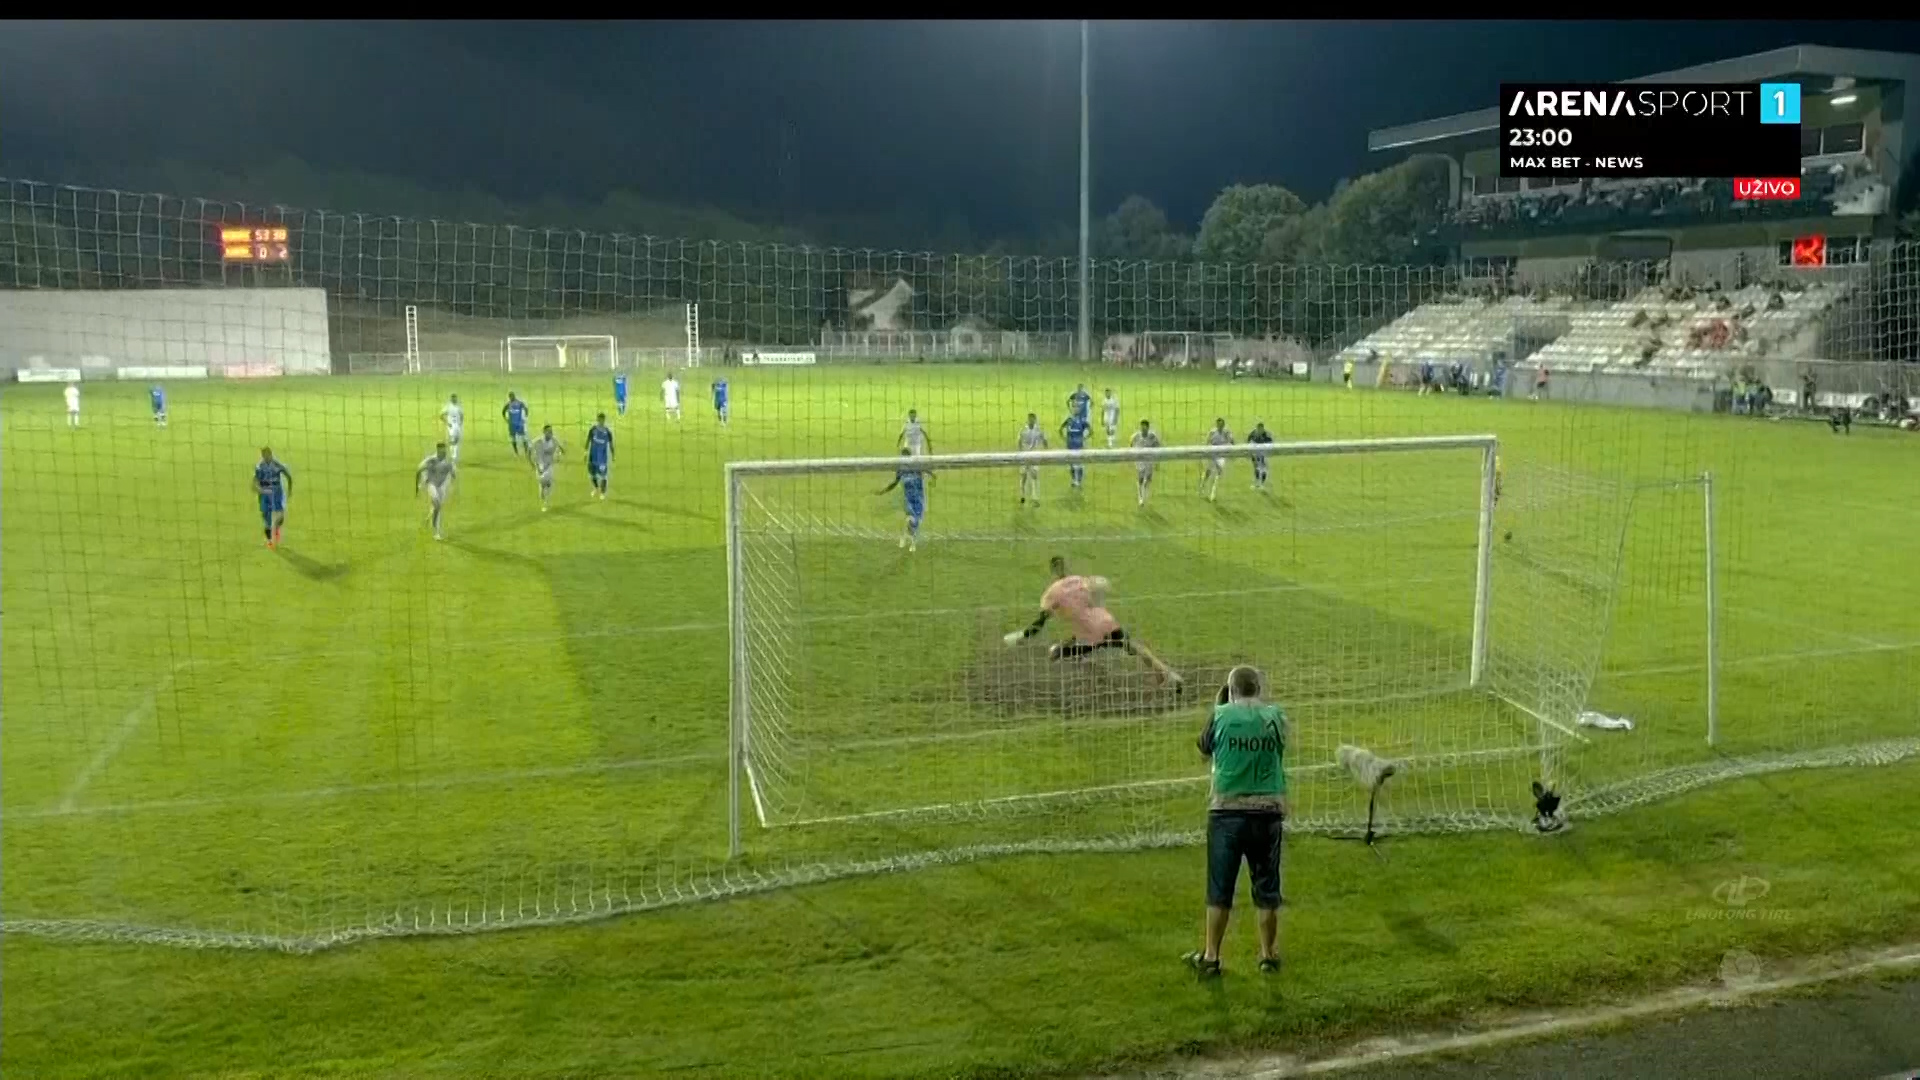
(1703, 333)
(1838, 188)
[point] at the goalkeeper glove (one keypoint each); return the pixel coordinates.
(1014, 638)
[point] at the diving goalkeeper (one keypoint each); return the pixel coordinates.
(1081, 601)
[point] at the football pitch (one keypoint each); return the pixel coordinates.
(530, 719)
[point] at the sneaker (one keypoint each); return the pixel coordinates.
(1203, 967)
(1270, 966)
(913, 546)
(903, 541)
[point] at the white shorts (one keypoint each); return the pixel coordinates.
(437, 493)
(1218, 464)
(545, 476)
(1146, 470)
(453, 435)
(1029, 472)
(672, 406)
(1113, 426)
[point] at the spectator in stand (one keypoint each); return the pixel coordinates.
(1808, 395)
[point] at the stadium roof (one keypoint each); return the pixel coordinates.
(1783, 63)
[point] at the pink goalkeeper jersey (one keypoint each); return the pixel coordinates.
(1071, 598)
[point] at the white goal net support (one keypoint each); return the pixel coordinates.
(870, 683)
(560, 352)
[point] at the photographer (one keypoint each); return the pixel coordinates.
(1246, 740)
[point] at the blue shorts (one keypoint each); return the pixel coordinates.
(516, 431)
(1253, 835)
(597, 468)
(916, 509)
(273, 502)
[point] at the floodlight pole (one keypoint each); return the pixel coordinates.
(1082, 341)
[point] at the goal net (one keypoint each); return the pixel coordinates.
(870, 681)
(1169, 348)
(563, 352)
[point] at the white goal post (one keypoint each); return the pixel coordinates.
(559, 352)
(1374, 539)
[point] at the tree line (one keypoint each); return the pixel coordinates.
(1375, 219)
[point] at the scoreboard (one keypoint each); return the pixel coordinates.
(249, 244)
(1747, 132)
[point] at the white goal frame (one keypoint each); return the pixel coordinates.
(558, 341)
(738, 473)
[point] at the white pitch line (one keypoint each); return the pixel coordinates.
(1285, 1067)
(1802, 624)
(136, 716)
(1768, 658)
(65, 809)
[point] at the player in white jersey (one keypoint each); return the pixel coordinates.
(1032, 437)
(1110, 416)
(1144, 439)
(913, 437)
(1215, 467)
(436, 471)
(670, 396)
(73, 404)
(456, 421)
(541, 452)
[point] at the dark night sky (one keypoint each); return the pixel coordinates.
(975, 121)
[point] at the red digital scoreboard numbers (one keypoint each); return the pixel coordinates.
(263, 244)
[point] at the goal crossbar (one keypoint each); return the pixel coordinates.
(1488, 444)
(742, 783)
(510, 343)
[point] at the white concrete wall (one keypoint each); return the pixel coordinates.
(233, 331)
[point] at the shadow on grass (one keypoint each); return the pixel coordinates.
(312, 569)
(583, 513)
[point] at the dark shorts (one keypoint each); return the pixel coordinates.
(1115, 639)
(1253, 835)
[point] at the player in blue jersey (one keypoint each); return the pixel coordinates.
(1080, 403)
(720, 399)
(515, 411)
(1074, 430)
(599, 454)
(620, 393)
(158, 395)
(273, 482)
(912, 483)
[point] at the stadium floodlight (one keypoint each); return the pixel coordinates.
(560, 352)
(1363, 583)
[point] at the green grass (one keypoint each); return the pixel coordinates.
(202, 732)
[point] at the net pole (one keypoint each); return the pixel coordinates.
(1483, 563)
(737, 649)
(1713, 628)
(1085, 343)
